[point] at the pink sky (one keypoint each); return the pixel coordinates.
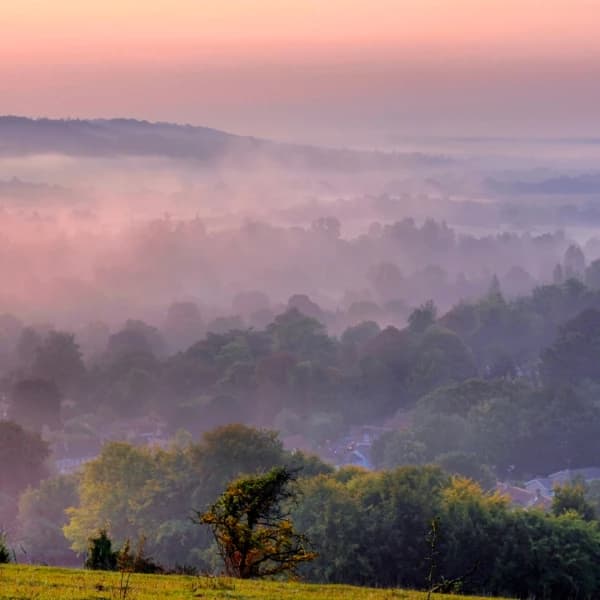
(320, 70)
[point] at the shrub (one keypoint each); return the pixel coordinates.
(138, 561)
(4, 551)
(100, 556)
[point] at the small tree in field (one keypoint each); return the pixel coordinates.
(100, 556)
(252, 528)
(4, 551)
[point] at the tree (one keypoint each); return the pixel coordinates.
(136, 561)
(358, 335)
(183, 325)
(398, 448)
(424, 316)
(136, 337)
(574, 354)
(101, 556)
(303, 304)
(112, 487)
(35, 403)
(302, 336)
(232, 450)
(592, 275)
(574, 262)
(4, 551)
(441, 358)
(27, 345)
(468, 465)
(41, 519)
(251, 526)
(59, 359)
(572, 497)
(22, 458)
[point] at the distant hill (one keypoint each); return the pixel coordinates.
(16, 189)
(21, 136)
(561, 185)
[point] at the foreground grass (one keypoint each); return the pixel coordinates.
(43, 583)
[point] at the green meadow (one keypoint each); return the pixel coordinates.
(19, 582)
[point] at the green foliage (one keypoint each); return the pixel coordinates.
(234, 449)
(441, 358)
(375, 527)
(573, 356)
(150, 492)
(302, 336)
(398, 448)
(368, 528)
(252, 529)
(468, 465)
(100, 554)
(571, 497)
(41, 519)
(136, 561)
(543, 557)
(508, 425)
(111, 490)
(5, 556)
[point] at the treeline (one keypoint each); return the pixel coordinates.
(413, 527)
(294, 376)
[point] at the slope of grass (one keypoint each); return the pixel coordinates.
(43, 583)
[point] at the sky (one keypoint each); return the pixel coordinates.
(352, 72)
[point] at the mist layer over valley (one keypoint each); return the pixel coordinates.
(416, 323)
(105, 219)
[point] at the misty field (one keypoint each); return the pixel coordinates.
(43, 583)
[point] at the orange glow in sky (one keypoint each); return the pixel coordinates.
(148, 58)
(182, 30)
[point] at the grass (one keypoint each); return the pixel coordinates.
(19, 582)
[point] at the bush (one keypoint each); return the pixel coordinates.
(4, 551)
(100, 556)
(138, 561)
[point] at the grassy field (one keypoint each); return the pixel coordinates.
(43, 583)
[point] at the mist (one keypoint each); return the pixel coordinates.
(181, 295)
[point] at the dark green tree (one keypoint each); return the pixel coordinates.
(4, 551)
(101, 556)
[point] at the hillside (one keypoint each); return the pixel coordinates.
(43, 583)
(20, 136)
